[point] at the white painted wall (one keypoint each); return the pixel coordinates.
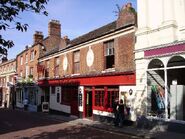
(54, 105)
(159, 22)
(130, 101)
(103, 113)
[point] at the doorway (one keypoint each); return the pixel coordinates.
(88, 103)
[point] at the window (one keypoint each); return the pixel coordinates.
(32, 98)
(66, 95)
(32, 55)
(57, 62)
(27, 71)
(104, 97)
(31, 71)
(47, 69)
(21, 60)
(109, 54)
(58, 97)
(53, 89)
(21, 74)
(112, 94)
(99, 97)
(77, 62)
(26, 58)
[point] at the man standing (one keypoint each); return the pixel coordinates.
(115, 110)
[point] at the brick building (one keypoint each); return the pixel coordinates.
(86, 74)
(27, 65)
(7, 73)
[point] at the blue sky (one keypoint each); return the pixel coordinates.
(77, 17)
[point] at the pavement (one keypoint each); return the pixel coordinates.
(157, 132)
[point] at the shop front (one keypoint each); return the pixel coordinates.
(166, 82)
(89, 97)
(29, 92)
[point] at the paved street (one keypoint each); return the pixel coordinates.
(19, 124)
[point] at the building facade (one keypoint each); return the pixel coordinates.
(85, 76)
(160, 59)
(7, 82)
(27, 66)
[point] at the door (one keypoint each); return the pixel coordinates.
(88, 103)
(74, 101)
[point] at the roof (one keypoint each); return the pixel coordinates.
(7, 62)
(94, 34)
(104, 30)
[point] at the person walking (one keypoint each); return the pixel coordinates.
(115, 110)
(121, 113)
(25, 102)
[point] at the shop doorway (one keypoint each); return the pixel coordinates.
(1, 98)
(88, 103)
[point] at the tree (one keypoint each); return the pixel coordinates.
(9, 12)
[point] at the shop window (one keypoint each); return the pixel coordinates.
(112, 94)
(99, 98)
(76, 62)
(66, 95)
(32, 98)
(109, 54)
(57, 62)
(104, 98)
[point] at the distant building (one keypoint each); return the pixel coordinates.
(7, 90)
(160, 59)
(27, 66)
(85, 76)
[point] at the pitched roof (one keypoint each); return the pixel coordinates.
(109, 28)
(94, 34)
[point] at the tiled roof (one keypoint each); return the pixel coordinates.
(109, 28)
(94, 34)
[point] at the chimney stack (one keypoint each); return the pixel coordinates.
(54, 28)
(38, 37)
(126, 16)
(66, 39)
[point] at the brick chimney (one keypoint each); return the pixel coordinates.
(37, 37)
(127, 16)
(66, 39)
(54, 28)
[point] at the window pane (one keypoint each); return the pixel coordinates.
(99, 97)
(76, 67)
(77, 56)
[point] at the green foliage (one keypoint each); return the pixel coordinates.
(9, 11)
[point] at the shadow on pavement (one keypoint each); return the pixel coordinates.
(78, 132)
(15, 120)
